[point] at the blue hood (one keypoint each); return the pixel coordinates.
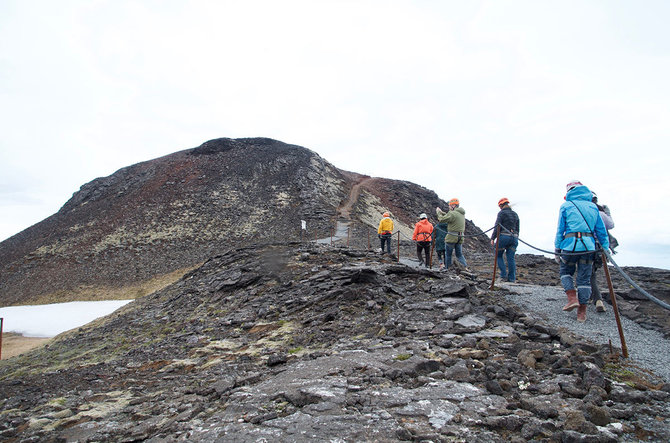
(579, 193)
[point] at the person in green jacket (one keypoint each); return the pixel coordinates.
(455, 220)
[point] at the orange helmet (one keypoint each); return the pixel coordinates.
(503, 201)
(386, 214)
(453, 201)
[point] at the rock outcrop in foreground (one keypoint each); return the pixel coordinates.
(300, 342)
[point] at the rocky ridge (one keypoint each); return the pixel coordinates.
(143, 227)
(304, 342)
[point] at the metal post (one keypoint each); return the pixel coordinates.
(2, 321)
(368, 238)
(432, 248)
(331, 237)
(398, 245)
(624, 348)
(495, 259)
(348, 235)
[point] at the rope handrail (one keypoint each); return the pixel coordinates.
(568, 254)
(452, 233)
(661, 303)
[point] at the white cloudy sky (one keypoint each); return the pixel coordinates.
(473, 99)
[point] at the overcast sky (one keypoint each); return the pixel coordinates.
(473, 99)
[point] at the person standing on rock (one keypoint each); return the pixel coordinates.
(579, 225)
(423, 235)
(385, 231)
(508, 222)
(596, 296)
(455, 220)
(439, 235)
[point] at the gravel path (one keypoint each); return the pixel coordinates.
(647, 348)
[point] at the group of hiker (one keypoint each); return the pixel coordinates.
(583, 226)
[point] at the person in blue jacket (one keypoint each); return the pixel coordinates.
(579, 226)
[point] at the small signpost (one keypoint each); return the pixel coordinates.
(304, 228)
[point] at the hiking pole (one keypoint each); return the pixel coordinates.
(495, 259)
(624, 348)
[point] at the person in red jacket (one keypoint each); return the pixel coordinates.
(423, 235)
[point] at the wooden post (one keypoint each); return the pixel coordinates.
(624, 348)
(432, 248)
(368, 238)
(348, 235)
(2, 321)
(495, 258)
(398, 245)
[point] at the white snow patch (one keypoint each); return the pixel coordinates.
(51, 320)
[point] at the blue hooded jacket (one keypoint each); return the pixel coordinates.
(571, 220)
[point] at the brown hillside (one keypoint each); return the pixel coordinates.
(144, 226)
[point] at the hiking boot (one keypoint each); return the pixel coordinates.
(600, 306)
(572, 300)
(581, 313)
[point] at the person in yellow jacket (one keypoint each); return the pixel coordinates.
(385, 231)
(423, 235)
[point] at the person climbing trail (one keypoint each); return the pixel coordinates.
(439, 235)
(508, 221)
(579, 225)
(423, 235)
(385, 232)
(455, 220)
(608, 221)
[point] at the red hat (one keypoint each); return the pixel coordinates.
(453, 201)
(572, 184)
(386, 214)
(502, 201)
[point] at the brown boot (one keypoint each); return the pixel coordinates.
(572, 300)
(581, 313)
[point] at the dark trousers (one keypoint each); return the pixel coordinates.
(386, 238)
(583, 264)
(423, 246)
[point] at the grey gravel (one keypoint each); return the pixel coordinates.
(646, 347)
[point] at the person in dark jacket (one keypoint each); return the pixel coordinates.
(605, 214)
(508, 221)
(439, 234)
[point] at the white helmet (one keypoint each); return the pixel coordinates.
(423, 215)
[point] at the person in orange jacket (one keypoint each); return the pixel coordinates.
(423, 235)
(385, 231)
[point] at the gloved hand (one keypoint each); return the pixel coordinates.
(556, 256)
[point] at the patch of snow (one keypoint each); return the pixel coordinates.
(51, 320)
